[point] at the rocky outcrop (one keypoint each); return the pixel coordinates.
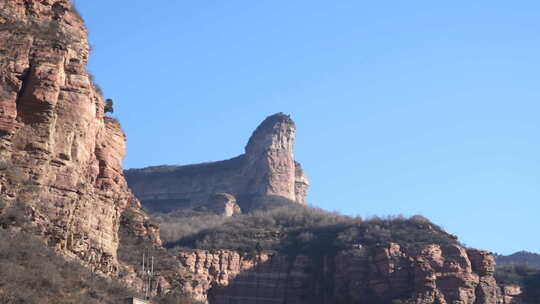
(223, 204)
(432, 274)
(510, 294)
(266, 169)
(227, 277)
(301, 184)
(61, 177)
(69, 185)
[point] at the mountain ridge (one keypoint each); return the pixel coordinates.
(523, 257)
(61, 179)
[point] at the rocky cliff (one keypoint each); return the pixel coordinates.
(390, 274)
(61, 175)
(266, 169)
(61, 178)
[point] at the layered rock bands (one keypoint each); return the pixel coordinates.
(61, 157)
(432, 274)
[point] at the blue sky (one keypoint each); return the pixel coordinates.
(402, 107)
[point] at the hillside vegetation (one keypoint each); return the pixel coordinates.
(523, 269)
(524, 276)
(529, 259)
(34, 273)
(295, 229)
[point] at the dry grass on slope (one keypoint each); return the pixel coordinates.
(34, 273)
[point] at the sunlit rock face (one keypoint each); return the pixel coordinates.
(223, 204)
(510, 294)
(62, 156)
(266, 169)
(61, 177)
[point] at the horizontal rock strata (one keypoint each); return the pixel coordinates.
(432, 274)
(62, 158)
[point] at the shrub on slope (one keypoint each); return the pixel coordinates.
(524, 276)
(299, 229)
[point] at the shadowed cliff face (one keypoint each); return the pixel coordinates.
(69, 185)
(267, 168)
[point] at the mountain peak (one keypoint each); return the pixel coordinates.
(267, 168)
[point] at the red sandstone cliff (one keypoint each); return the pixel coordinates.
(62, 158)
(61, 177)
(266, 169)
(432, 274)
